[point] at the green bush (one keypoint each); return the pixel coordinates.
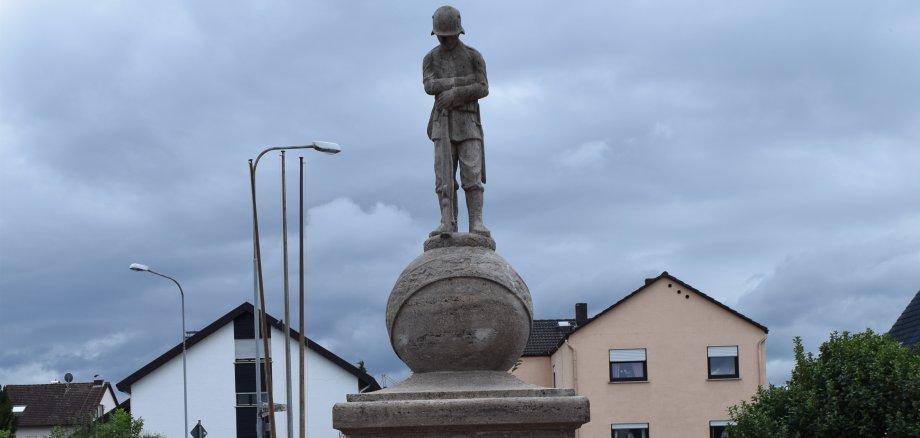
(859, 385)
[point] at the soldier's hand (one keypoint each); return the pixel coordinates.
(445, 99)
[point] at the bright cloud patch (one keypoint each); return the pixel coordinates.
(588, 155)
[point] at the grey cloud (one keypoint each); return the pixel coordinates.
(742, 140)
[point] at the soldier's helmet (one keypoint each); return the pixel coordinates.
(446, 22)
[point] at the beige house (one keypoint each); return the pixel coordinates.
(666, 361)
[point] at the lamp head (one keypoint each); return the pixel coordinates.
(327, 147)
(139, 267)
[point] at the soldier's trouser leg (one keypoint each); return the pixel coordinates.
(469, 154)
(445, 169)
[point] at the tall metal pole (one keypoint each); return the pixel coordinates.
(256, 329)
(184, 355)
(287, 305)
(259, 322)
(262, 319)
(303, 365)
(184, 361)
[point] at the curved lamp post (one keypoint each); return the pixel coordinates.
(259, 298)
(144, 268)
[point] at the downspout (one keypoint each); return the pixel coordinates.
(761, 359)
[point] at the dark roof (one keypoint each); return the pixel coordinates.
(364, 379)
(906, 329)
(545, 335)
(540, 336)
(56, 404)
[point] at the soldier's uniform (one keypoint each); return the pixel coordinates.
(456, 127)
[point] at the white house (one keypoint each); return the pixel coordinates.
(221, 381)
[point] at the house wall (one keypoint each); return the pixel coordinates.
(562, 367)
(327, 384)
(536, 370)
(108, 401)
(157, 398)
(679, 399)
(33, 432)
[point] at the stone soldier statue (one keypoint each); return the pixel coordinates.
(456, 75)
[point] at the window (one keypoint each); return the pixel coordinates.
(628, 365)
(723, 362)
(719, 429)
(100, 411)
(18, 410)
(245, 376)
(249, 398)
(629, 430)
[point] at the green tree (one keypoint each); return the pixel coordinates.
(119, 424)
(859, 385)
(58, 432)
(7, 419)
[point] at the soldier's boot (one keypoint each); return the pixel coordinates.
(474, 208)
(448, 223)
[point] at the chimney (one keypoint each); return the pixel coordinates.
(97, 380)
(581, 314)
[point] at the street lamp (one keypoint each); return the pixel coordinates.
(326, 147)
(259, 297)
(144, 268)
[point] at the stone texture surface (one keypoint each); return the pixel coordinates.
(461, 384)
(459, 307)
(508, 416)
(462, 404)
(447, 240)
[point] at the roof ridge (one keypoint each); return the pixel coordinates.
(539, 347)
(246, 307)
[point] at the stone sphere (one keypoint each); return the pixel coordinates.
(459, 307)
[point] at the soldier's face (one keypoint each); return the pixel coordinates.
(448, 42)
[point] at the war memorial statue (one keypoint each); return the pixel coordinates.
(456, 75)
(459, 316)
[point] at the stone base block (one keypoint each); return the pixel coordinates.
(482, 404)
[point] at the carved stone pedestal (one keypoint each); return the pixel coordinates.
(462, 404)
(459, 317)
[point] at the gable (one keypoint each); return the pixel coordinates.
(675, 286)
(245, 314)
(642, 306)
(665, 308)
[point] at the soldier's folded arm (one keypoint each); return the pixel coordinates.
(435, 86)
(470, 93)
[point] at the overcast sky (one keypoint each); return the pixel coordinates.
(765, 152)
